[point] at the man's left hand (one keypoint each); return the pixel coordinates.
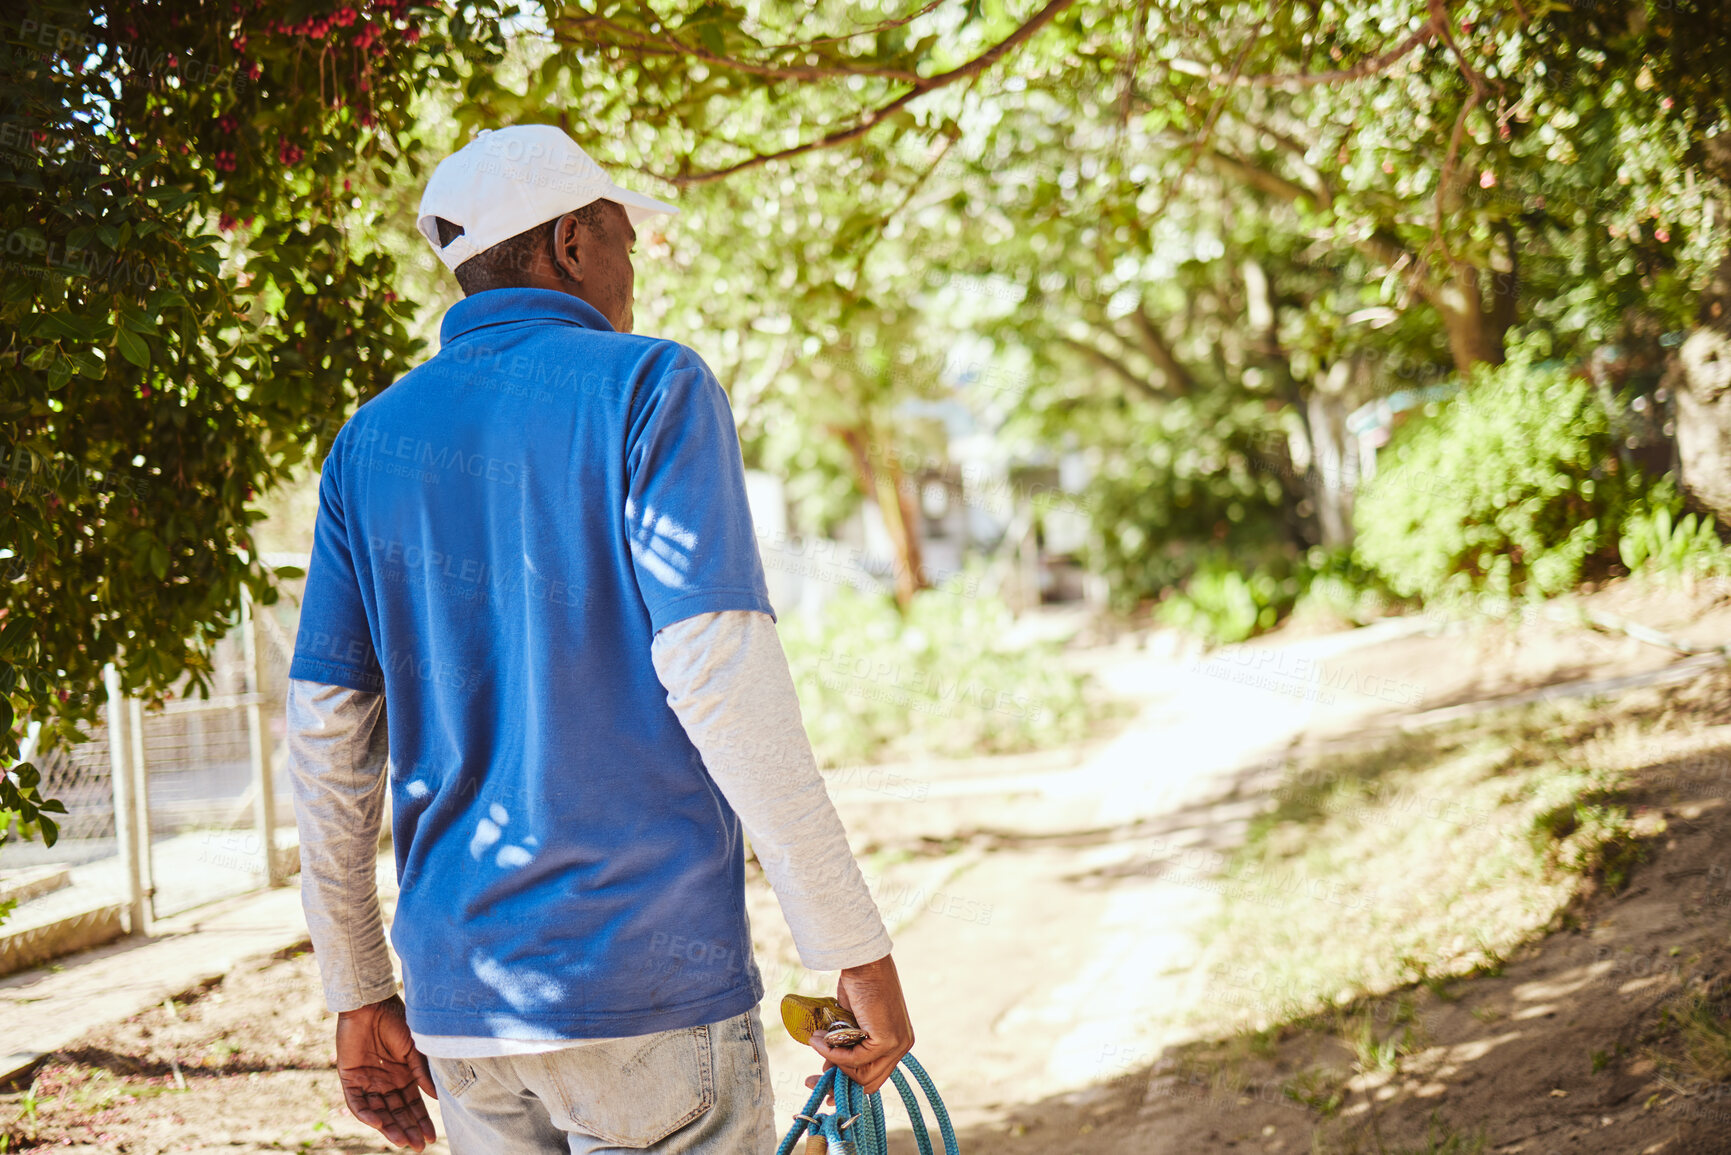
(872, 995)
(383, 1074)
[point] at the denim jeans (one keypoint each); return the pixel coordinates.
(700, 1089)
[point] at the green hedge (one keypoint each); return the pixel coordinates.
(1512, 489)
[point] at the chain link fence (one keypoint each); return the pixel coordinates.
(82, 777)
(188, 823)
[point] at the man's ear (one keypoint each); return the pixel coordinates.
(569, 247)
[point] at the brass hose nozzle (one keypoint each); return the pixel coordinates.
(805, 1016)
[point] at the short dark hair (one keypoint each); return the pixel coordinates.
(506, 264)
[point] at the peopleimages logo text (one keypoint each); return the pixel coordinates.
(474, 577)
(375, 444)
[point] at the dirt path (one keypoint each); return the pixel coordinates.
(1613, 1035)
(1036, 956)
(1055, 966)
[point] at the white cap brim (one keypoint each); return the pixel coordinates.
(637, 206)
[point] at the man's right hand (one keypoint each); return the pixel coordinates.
(873, 996)
(383, 1073)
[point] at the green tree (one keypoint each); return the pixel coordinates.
(190, 296)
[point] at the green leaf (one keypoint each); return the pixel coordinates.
(64, 326)
(50, 831)
(133, 348)
(136, 321)
(12, 633)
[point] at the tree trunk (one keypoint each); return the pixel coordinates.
(1264, 322)
(1704, 400)
(1475, 334)
(1332, 482)
(1333, 474)
(884, 488)
(1505, 277)
(902, 518)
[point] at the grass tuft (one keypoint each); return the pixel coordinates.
(1700, 1024)
(1322, 1089)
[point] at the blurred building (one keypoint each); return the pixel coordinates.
(987, 521)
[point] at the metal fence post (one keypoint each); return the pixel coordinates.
(141, 804)
(264, 790)
(125, 802)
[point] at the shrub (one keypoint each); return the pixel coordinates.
(1225, 602)
(875, 685)
(1179, 490)
(1231, 598)
(1336, 583)
(1513, 489)
(1588, 836)
(1656, 539)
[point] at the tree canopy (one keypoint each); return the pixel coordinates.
(1236, 220)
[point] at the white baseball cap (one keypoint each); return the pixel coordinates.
(510, 179)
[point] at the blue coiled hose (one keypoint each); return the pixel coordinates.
(856, 1127)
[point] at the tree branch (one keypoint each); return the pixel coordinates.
(1379, 244)
(913, 188)
(1447, 179)
(1375, 64)
(1297, 150)
(1439, 18)
(1261, 179)
(1384, 246)
(1153, 343)
(1202, 138)
(1132, 62)
(672, 46)
(885, 26)
(877, 115)
(1129, 376)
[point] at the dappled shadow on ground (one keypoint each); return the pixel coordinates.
(241, 1063)
(1576, 1013)
(1610, 1034)
(136, 1067)
(1480, 658)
